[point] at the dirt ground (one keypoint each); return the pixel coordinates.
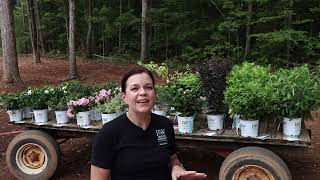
(75, 163)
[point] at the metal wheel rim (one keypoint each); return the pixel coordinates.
(31, 159)
(252, 172)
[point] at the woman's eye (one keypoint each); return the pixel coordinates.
(149, 87)
(134, 89)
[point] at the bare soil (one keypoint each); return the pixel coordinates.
(75, 163)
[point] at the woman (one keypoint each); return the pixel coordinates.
(138, 145)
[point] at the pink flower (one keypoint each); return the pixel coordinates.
(103, 95)
(69, 113)
(83, 101)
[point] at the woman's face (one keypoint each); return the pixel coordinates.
(139, 93)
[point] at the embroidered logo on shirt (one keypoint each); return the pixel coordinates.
(162, 138)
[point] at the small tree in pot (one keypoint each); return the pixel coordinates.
(13, 103)
(249, 93)
(186, 96)
(213, 73)
(297, 92)
(111, 108)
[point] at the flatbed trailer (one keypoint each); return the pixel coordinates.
(35, 153)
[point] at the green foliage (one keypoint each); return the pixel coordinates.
(248, 91)
(76, 90)
(11, 101)
(273, 45)
(59, 97)
(111, 106)
(161, 70)
(186, 93)
(21, 27)
(183, 31)
(296, 92)
(163, 97)
(38, 97)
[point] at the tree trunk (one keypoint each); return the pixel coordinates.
(144, 40)
(65, 8)
(89, 32)
(33, 32)
(289, 26)
(10, 61)
(120, 25)
(167, 42)
(149, 32)
(248, 30)
(39, 29)
(72, 58)
(25, 29)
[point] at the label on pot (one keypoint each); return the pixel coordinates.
(185, 125)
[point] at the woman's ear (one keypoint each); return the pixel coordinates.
(123, 96)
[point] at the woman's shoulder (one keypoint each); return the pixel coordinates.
(161, 119)
(114, 125)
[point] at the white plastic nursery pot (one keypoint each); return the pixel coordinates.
(248, 128)
(160, 112)
(61, 117)
(215, 122)
(292, 126)
(83, 118)
(95, 115)
(236, 121)
(27, 112)
(15, 115)
(185, 124)
(40, 116)
(119, 113)
(108, 117)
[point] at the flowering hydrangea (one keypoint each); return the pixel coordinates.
(82, 104)
(103, 96)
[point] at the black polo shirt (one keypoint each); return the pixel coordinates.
(132, 153)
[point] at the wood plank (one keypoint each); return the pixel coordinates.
(227, 135)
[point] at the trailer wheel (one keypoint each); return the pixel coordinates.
(33, 155)
(254, 163)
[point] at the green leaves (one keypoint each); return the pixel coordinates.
(247, 91)
(185, 91)
(254, 92)
(297, 92)
(112, 105)
(11, 101)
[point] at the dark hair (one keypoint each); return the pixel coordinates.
(134, 71)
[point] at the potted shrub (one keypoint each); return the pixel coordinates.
(249, 93)
(213, 73)
(162, 70)
(100, 98)
(39, 101)
(13, 103)
(186, 96)
(161, 106)
(296, 93)
(81, 110)
(110, 108)
(26, 95)
(58, 100)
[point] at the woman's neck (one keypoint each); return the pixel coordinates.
(141, 120)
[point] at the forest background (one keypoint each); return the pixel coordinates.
(277, 32)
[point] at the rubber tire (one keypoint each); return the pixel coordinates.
(47, 142)
(254, 156)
